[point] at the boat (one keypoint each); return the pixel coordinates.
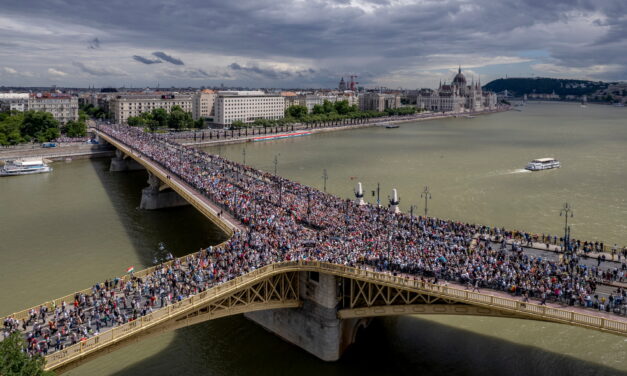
(619, 105)
(543, 164)
(391, 126)
(282, 135)
(24, 167)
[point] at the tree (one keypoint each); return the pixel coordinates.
(14, 361)
(200, 123)
(296, 111)
(10, 128)
(160, 116)
(328, 107)
(40, 125)
(342, 107)
(262, 123)
(238, 124)
(317, 109)
(179, 119)
(75, 129)
(136, 121)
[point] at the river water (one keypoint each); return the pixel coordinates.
(79, 224)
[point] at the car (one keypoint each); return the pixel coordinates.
(49, 145)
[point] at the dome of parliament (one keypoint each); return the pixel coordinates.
(459, 79)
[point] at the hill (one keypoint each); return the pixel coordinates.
(540, 85)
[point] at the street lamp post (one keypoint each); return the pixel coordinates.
(427, 196)
(244, 155)
(566, 211)
(378, 191)
(325, 177)
(276, 162)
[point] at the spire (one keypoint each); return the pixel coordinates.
(460, 69)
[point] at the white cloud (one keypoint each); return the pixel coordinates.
(9, 70)
(56, 72)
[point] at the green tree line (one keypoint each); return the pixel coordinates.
(340, 110)
(160, 118)
(326, 112)
(36, 126)
(94, 111)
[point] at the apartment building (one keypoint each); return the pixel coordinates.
(63, 107)
(378, 102)
(123, 106)
(247, 106)
(203, 104)
(14, 101)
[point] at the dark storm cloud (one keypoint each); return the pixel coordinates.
(195, 73)
(94, 44)
(269, 73)
(170, 59)
(378, 35)
(145, 60)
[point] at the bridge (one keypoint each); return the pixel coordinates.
(315, 304)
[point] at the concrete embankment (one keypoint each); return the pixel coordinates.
(63, 152)
(299, 128)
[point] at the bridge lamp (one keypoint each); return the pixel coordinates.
(427, 196)
(566, 211)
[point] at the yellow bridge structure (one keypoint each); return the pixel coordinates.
(338, 295)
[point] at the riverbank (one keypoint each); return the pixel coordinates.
(239, 138)
(59, 153)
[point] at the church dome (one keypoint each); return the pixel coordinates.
(459, 79)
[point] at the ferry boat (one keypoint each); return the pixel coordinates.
(543, 164)
(24, 167)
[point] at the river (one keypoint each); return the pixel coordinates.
(80, 224)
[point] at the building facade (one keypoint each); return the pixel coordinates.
(247, 106)
(457, 96)
(14, 101)
(123, 106)
(203, 104)
(63, 107)
(378, 102)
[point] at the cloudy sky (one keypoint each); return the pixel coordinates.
(307, 43)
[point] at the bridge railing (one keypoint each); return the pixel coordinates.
(487, 300)
(119, 333)
(122, 332)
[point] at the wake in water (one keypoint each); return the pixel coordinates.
(508, 172)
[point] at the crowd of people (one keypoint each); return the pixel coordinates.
(284, 220)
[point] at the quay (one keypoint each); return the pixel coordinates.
(308, 266)
(211, 137)
(62, 152)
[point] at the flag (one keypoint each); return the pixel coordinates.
(130, 269)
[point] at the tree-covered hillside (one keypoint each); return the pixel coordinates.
(562, 87)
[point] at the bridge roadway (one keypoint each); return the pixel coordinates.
(370, 293)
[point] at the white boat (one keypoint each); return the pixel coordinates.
(24, 167)
(543, 164)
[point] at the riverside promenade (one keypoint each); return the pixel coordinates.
(222, 136)
(279, 225)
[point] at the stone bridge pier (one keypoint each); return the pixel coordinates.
(122, 162)
(159, 196)
(314, 327)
